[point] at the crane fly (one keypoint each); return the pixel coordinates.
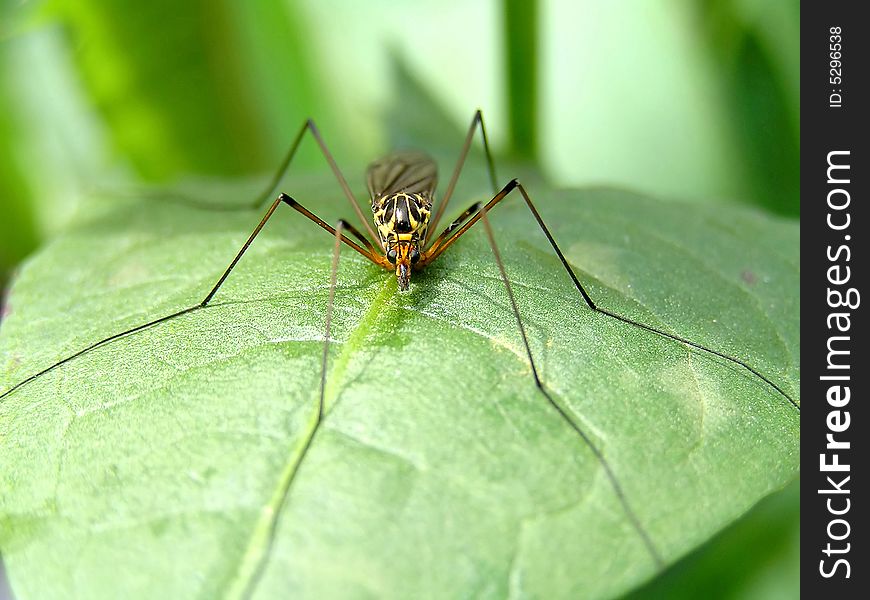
(403, 241)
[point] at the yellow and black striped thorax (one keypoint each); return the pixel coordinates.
(401, 186)
(402, 217)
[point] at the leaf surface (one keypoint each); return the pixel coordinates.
(183, 460)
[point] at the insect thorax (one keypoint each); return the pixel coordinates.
(402, 217)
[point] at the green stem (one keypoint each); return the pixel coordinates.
(521, 49)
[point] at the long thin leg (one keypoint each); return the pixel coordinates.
(253, 582)
(369, 252)
(448, 237)
(469, 212)
(285, 164)
(438, 247)
(298, 207)
(96, 345)
(614, 482)
(356, 233)
(476, 121)
(333, 279)
(649, 328)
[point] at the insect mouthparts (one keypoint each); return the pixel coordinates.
(403, 276)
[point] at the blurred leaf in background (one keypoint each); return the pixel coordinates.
(756, 557)
(17, 227)
(95, 92)
(754, 48)
(181, 85)
(696, 100)
(51, 149)
(683, 99)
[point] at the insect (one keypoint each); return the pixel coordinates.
(404, 238)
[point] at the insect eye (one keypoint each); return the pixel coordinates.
(391, 255)
(415, 256)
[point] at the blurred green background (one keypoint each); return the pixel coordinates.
(690, 100)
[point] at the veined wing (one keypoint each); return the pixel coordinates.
(407, 171)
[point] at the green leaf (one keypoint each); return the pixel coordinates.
(183, 459)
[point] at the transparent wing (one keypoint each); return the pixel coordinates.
(407, 171)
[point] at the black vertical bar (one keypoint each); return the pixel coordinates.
(834, 174)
